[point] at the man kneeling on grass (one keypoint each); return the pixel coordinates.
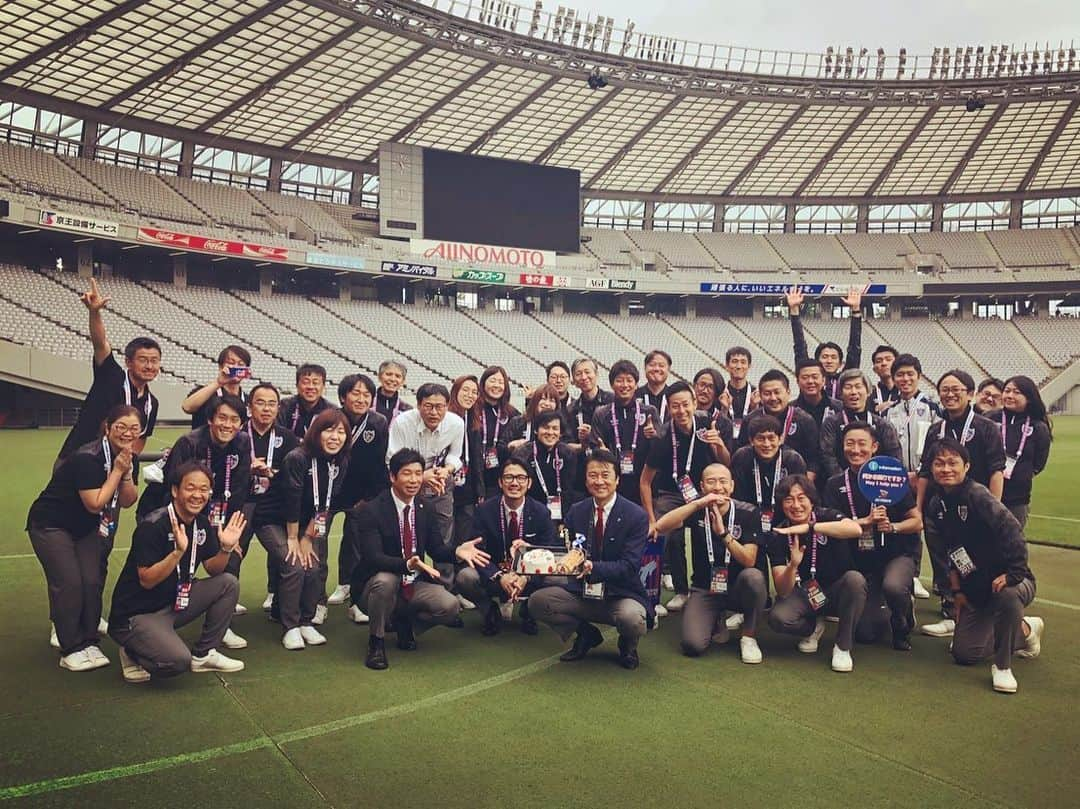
(157, 592)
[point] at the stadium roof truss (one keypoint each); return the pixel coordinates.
(326, 82)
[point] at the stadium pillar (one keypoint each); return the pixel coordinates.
(650, 215)
(345, 289)
(275, 175)
(179, 271)
(719, 212)
(85, 259)
(789, 219)
(1016, 213)
(691, 306)
(88, 144)
(937, 217)
(266, 281)
(862, 219)
(558, 303)
(624, 306)
(966, 305)
(187, 158)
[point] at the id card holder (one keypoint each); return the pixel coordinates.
(183, 595)
(814, 595)
(626, 463)
(866, 540)
(460, 475)
(318, 524)
(718, 581)
(736, 428)
(260, 484)
(107, 525)
(217, 514)
(1010, 465)
(555, 507)
(766, 521)
(491, 458)
(410, 577)
(594, 590)
(960, 558)
(689, 491)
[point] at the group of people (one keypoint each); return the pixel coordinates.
(745, 497)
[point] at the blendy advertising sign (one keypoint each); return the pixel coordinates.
(189, 241)
(621, 284)
(480, 276)
(464, 253)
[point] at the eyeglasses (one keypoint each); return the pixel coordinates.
(263, 402)
(122, 430)
(431, 407)
(952, 391)
(515, 478)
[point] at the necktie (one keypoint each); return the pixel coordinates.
(598, 532)
(408, 547)
(512, 531)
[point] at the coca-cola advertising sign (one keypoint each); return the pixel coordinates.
(190, 241)
(480, 254)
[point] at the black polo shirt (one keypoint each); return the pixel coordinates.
(616, 426)
(656, 400)
(389, 406)
(59, 504)
(834, 556)
(834, 494)
(366, 475)
(746, 531)
(982, 440)
(742, 473)
(283, 442)
(198, 418)
(294, 416)
(671, 463)
(293, 492)
(820, 411)
(108, 390)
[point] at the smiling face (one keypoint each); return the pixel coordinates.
(514, 482)
(854, 395)
(333, 438)
(859, 447)
(494, 387)
(601, 479)
(407, 482)
(830, 360)
(907, 381)
(990, 398)
(656, 371)
(123, 432)
(681, 407)
(811, 381)
(559, 379)
(774, 396)
(224, 425)
(263, 407)
(391, 378)
(467, 394)
(738, 367)
(191, 494)
(705, 391)
(624, 386)
(548, 434)
(144, 366)
(797, 506)
(310, 387)
(716, 479)
(357, 400)
(955, 398)
(949, 469)
(1013, 400)
(584, 377)
(766, 444)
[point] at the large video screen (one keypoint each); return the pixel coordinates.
(488, 201)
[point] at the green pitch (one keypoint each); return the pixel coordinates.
(480, 722)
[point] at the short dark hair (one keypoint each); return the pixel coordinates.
(264, 386)
(603, 456)
(717, 378)
(991, 380)
(885, 349)
(322, 422)
(429, 389)
(139, 343)
(738, 351)
(547, 416)
(240, 351)
(764, 423)
(658, 352)
(948, 444)
(829, 344)
(786, 484)
(907, 361)
(775, 375)
(556, 364)
(402, 458)
(512, 461)
(187, 467)
(582, 361)
(116, 412)
(852, 426)
(623, 367)
(351, 381)
(679, 387)
(963, 376)
(234, 403)
(310, 369)
(807, 362)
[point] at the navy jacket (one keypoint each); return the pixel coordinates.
(538, 529)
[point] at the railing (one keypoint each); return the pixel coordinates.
(599, 34)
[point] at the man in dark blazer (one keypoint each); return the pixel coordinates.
(391, 536)
(609, 590)
(500, 523)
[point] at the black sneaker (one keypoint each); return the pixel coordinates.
(588, 636)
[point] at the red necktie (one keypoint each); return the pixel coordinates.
(598, 532)
(408, 547)
(512, 530)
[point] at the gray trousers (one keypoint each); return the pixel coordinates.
(793, 615)
(481, 590)
(994, 626)
(235, 559)
(888, 601)
(675, 542)
(298, 590)
(74, 573)
(430, 605)
(151, 639)
(700, 614)
(346, 558)
(564, 612)
(1021, 513)
(442, 509)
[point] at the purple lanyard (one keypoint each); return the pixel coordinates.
(483, 426)
(615, 427)
(675, 450)
(359, 428)
(850, 498)
(331, 473)
(540, 472)
(1024, 432)
(228, 473)
(787, 423)
(129, 399)
(813, 546)
(757, 477)
(269, 445)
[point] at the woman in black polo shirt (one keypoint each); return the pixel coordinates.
(69, 525)
(1026, 435)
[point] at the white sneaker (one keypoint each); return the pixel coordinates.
(53, 640)
(77, 661)
(132, 671)
(942, 629)
(465, 603)
(841, 660)
(293, 640)
(215, 661)
(676, 603)
(666, 582)
(506, 610)
(312, 636)
(340, 595)
(268, 602)
(320, 615)
(357, 615)
(750, 651)
(97, 657)
(239, 609)
(808, 645)
(918, 590)
(103, 626)
(1003, 680)
(1033, 642)
(734, 621)
(233, 641)
(661, 611)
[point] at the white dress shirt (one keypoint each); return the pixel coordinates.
(439, 447)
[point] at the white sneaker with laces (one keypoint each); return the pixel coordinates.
(465, 603)
(239, 609)
(841, 660)
(340, 595)
(661, 611)
(132, 671)
(919, 590)
(312, 636)
(676, 603)
(77, 661)
(808, 645)
(942, 629)
(749, 650)
(293, 640)
(666, 582)
(506, 610)
(357, 615)
(320, 615)
(734, 621)
(1033, 642)
(233, 641)
(103, 626)
(268, 602)
(215, 661)
(53, 640)
(1003, 680)
(97, 657)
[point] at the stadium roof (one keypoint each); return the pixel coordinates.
(326, 81)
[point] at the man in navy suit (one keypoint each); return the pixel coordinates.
(609, 590)
(391, 535)
(499, 524)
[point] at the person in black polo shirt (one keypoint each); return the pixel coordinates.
(812, 399)
(157, 592)
(740, 397)
(234, 366)
(627, 427)
(724, 539)
(757, 468)
(365, 477)
(887, 551)
(655, 390)
(885, 391)
(71, 522)
(983, 441)
(297, 412)
(388, 402)
(584, 407)
(854, 389)
(1026, 433)
(491, 418)
(114, 385)
(798, 430)
(519, 429)
(988, 575)
(810, 551)
(829, 354)
(552, 466)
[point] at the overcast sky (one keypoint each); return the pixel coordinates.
(918, 25)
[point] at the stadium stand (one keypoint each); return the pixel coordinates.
(593, 338)
(924, 339)
(877, 251)
(773, 335)
(649, 332)
(680, 250)
(741, 251)
(36, 172)
(713, 336)
(810, 252)
(611, 247)
(998, 347)
(956, 249)
(1029, 248)
(1057, 339)
(535, 339)
(138, 191)
(231, 207)
(324, 226)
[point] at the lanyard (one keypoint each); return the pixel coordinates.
(675, 449)
(269, 445)
(757, 478)
(191, 545)
(1024, 432)
(483, 426)
(749, 389)
(331, 473)
(540, 472)
(359, 428)
(844, 416)
(967, 423)
(228, 472)
(108, 468)
(788, 418)
(129, 399)
(615, 427)
(850, 496)
(813, 546)
(661, 408)
(508, 541)
(709, 538)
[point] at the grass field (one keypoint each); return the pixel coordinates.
(479, 722)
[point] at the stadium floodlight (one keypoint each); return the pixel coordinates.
(974, 104)
(595, 80)
(534, 24)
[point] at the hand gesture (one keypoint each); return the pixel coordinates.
(854, 299)
(725, 400)
(433, 481)
(123, 462)
(586, 569)
(529, 391)
(793, 530)
(93, 299)
(179, 533)
(512, 584)
(517, 546)
(998, 584)
(416, 563)
(650, 428)
(229, 536)
(470, 554)
(716, 521)
(712, 436)
(797, 550)
(259, 465)
(755, 399)
(223, 377)
(794, 297)
(584, 431)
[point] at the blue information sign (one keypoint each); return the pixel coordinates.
(883, 480)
